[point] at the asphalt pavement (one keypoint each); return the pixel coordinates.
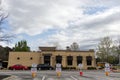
(66, 75)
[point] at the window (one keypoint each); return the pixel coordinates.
(31, 58)
(58, 59)
(79, 59)
(47, 59)
(89, 60)
(69, 60)
(18, 58)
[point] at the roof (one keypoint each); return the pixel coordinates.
(47, 48)
(54, 49)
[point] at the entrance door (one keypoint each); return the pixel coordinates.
(47, 59)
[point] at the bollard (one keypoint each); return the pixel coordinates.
(34, 70)
(58, 73)
(107, 73)
(33, 75)
(81, 73)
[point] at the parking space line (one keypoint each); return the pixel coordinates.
(73, 78)
(43, 78)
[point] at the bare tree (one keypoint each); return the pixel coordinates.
(3, 36)
(117, 48)
(105, 49)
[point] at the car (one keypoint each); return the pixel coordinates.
(18, 67)
(44, 67)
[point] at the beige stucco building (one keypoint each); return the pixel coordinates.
(51, 56)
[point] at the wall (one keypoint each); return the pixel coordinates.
(37, 57)
(25, 58)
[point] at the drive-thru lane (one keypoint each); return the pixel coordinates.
(66, 75)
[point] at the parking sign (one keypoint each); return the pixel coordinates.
(34, 65)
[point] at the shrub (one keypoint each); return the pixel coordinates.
(68, 68)
(91, 68)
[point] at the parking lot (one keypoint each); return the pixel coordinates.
(66, 75)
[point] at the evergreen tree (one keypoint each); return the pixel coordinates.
(21, 46)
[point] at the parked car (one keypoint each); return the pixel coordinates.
(1, 66)
(44, 67)
(18, 67)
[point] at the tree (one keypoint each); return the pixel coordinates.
(4, 36)
(4, 52)
(21, 46)
(74, 46)
(105, 49)
(117, 49)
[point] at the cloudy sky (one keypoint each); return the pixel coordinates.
(62, 22)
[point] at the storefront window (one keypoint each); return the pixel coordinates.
(58, 59)
(79, 59)
(89, 60)
(69, 60)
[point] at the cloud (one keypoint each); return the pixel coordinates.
(72, 20)
(89, 30)
(4, 44)
(35, 17)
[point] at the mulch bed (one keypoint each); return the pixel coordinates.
(4, 76)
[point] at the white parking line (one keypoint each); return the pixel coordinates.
(73, 78)
(43, 78)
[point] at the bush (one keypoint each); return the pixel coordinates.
(65, 68)
(72, 68)
(91, 68)
(68, 68)
(114, 68)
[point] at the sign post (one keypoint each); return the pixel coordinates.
(58, 69)
(34, 70)
(107, 69)
(80, 68)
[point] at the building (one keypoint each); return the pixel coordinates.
(51, 56)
